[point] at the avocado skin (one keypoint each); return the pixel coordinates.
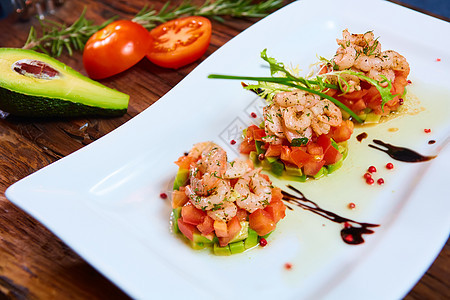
(33, 106)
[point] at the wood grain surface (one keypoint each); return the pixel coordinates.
(34, 263)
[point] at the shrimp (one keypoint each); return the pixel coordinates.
(345, 57)
(297, 97)
(213, 160)
(395, 61)
(237, 168)
(272, 121)
(213, 199)
(202, 184)
(326, 114)
(255, 191)
(296, 118)
(223, 212)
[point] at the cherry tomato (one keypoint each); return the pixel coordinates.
(115, 48)
(179, 42)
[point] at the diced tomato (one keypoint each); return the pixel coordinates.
(221, 229)
(324, 142)
(277, 210)
(331, 156)
(274, 150)
(276, 194)
(314, 149)
(187, 229)
(250, 132)
(241, 214)
(311, 168)
(233, 227)
(286, 154)
(192, 215)
(207, 226)
(184, 162)
(258, 134)
(299, 157)
(247, 146)
(358, 106)
(356, 94)
(179, 197)
(261, 221)
(342, 132)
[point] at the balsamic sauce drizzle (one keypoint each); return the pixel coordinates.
(401, 153)
(361, 136)
(350, 234)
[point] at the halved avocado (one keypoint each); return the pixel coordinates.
(33, 84)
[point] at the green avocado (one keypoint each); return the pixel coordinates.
(33, 84)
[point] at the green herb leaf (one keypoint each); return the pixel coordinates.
(298, 142)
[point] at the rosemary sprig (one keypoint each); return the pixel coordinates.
(56, 36)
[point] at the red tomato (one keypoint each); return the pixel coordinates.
(187, 229)
(179, 198)
(233, 227)
(179, 42)
(277, 210)
(261, 221)
(311, 168)
(274, 150)
(246, 147)
(115, 48)
(207, 226)
(192, 215)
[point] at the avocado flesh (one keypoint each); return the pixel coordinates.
(68, 94)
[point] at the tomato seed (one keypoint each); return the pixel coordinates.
(389, 166)
(263, 242)
(380, 181)
(163, 195)
(372, 169)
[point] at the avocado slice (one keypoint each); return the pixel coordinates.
(33, 84)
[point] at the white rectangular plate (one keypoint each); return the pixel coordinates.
(103, 200)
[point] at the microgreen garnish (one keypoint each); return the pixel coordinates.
(283, 80)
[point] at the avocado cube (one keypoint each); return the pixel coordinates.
(198, 238)
(181, 178)
(372, 118)
(254, 158)
(322, 172)
(252, 239)
(243, 233)
(293, 170)
(176, 214)
(196, 246)
(259, 149)
(277, 168)
(237, 247)
(335, 166)
(221, 251)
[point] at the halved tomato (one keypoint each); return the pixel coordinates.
(179, 42)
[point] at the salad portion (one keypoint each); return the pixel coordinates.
(228, 206)
(308, 120)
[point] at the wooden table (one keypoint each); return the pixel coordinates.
(34, 263)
